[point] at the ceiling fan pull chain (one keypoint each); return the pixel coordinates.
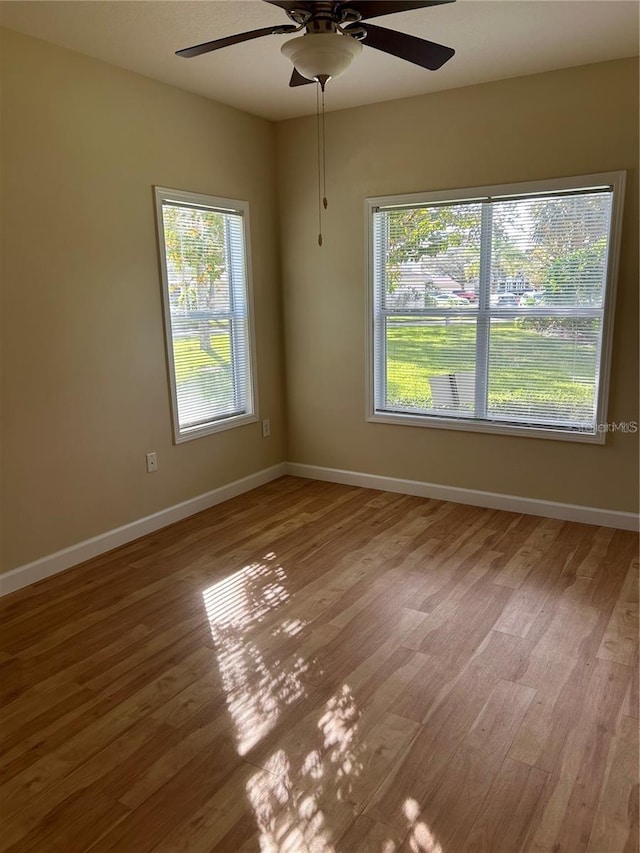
(319, 140)
(324, 155)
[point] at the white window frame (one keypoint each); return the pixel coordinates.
(375, 348)
(221, 205)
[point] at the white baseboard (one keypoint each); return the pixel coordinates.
(492, 500)
(52, 564)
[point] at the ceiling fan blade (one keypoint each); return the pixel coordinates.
(375, 8)
(366, 8)
(298, 80)
(428, 54)
(289, 5)
(208, 46)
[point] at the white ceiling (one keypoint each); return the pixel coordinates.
(493, 39)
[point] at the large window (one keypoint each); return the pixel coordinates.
(207, 300)
(491, 308)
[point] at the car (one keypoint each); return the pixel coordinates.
(505, 300)
(469, 295)
(449, 300)
(532, 297)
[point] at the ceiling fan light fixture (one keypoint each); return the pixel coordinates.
(321, 56)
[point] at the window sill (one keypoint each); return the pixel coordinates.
(472, 425)
(214, 427)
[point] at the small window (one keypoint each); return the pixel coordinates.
(207, 311)
(491, 309)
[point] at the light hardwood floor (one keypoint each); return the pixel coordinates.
(315, 667)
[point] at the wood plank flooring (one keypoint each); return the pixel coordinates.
(315, 667)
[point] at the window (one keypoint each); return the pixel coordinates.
(207, 311)
(491, 308)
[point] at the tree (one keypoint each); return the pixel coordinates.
(569, 252)
(194, 242)
(569, 236)
(450, 237)
(555, 243)
(508, 259)
(434, 232)
(578, 276)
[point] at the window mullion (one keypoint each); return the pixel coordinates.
(482, 327)
(380, 243)
(236, 341)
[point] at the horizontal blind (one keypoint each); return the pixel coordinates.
(553, 249)
(430, 365)
(543, 371)
(431, 256)
(507, 329)
(427, 293)
(206, 280)
(547, 254)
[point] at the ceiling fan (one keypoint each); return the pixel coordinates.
(334, 33)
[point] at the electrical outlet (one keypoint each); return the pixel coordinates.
(266, 428)
(152, 463)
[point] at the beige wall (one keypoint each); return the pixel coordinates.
(84, 391)
(571, 122)
(85, 387)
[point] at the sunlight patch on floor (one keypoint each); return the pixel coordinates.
(302, 794)
(420, 838)
(302, 798)
(255, 692)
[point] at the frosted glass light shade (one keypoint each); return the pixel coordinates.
(321, 55)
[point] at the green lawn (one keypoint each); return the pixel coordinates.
(204, 379)
(190, 359)
(531, 373)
